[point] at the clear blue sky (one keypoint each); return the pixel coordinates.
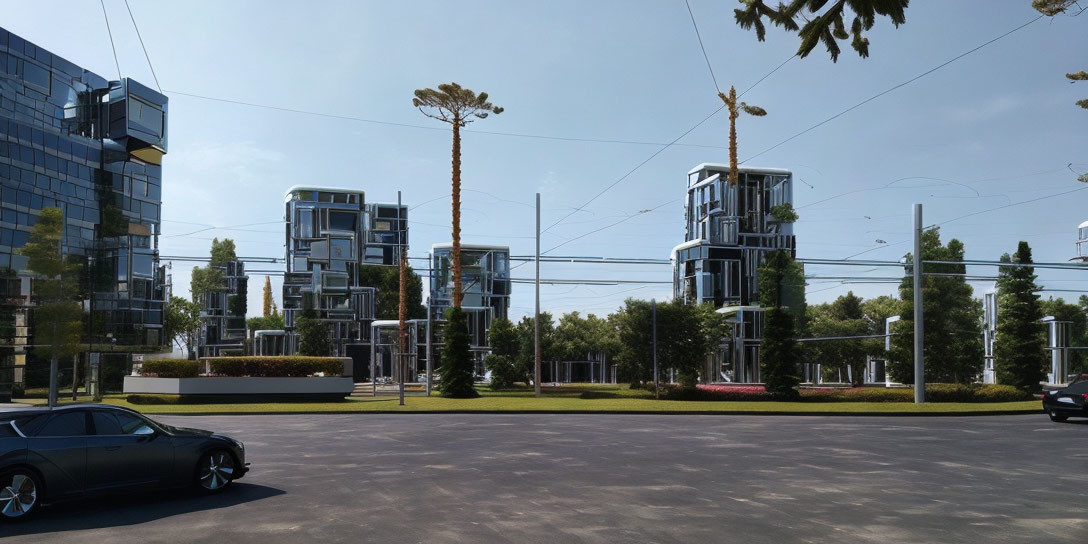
(1001, 121)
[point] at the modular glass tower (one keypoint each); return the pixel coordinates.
(729, 229)
(485, 281)
(223, 314)
(92, 148)
(330, 233)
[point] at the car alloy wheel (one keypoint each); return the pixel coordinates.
(216, 470)
(18, 495)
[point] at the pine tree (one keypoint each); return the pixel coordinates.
(779, 352)
(1019, 349)
(457, 366)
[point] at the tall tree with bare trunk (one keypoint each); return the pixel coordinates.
(734, 111)
(457, 106)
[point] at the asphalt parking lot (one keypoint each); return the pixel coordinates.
(615, 478)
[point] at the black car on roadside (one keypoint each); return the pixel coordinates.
(1069, 402)
(83, 450)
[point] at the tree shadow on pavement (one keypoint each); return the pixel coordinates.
(134, 508)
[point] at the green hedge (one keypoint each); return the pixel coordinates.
(170, 368)
(936, 392)
(276, 367)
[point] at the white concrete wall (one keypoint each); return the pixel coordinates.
(237, 386)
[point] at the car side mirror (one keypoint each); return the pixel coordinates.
(144, 431)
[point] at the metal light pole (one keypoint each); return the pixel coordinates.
(653, 320)
(919, 361)
(536, 314)
(430, 354)
(402, 312)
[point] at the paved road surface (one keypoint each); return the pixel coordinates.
(613, 478)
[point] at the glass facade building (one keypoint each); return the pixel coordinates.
(331, 233)
(728, 231)
(485, 281)
(223, 314)
(72, 140)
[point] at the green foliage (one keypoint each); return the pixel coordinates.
(181, 324)
(827, 27)
(842, 318)
(205, 280)
(387, 280)
(454, 104)
(1019, 348)
(504, 372)
(457, 368)
(503, 339)
(938, 392)
(238, 304)
(57, 317)
(222, 252)
(577, 338)
(273, 322)
(170, 368)
(953, 319)
(686, 335)
(784, 213)
(781, 283)
(526, 358)
(276, 366)
(781, 292)
(314, 337)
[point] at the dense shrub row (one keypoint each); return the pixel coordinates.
(276, 367)
(170, 368)
(940, 392)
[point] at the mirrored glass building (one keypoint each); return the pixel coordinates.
(331, 232)
(92, 148)
(223, 314)
(729, 229)
(485, 281)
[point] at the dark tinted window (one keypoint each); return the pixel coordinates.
(105, 423)
(1079, 387)
(342, 220)
(70, 424)
(133, 425)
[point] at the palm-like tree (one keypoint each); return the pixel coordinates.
(457, 106)
(734, 112)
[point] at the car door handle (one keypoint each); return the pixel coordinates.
(112, 448)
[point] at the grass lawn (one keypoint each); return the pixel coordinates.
(618, 398)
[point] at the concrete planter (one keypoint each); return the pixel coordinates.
(244, 388)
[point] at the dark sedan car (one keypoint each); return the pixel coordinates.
(1071, 401)
(76, 451)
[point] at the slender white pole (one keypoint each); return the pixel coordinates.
(919, 360)
(536, 313)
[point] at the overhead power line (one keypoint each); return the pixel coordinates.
(432, 128)
(701, 47)
(886, 91)
(110, 32)
(142, 46)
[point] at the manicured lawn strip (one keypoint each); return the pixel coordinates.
(573, 404)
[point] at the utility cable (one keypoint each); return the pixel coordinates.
(142, 46)
(886, 91)
(700, 38)
(426, 127)
(110, 32)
